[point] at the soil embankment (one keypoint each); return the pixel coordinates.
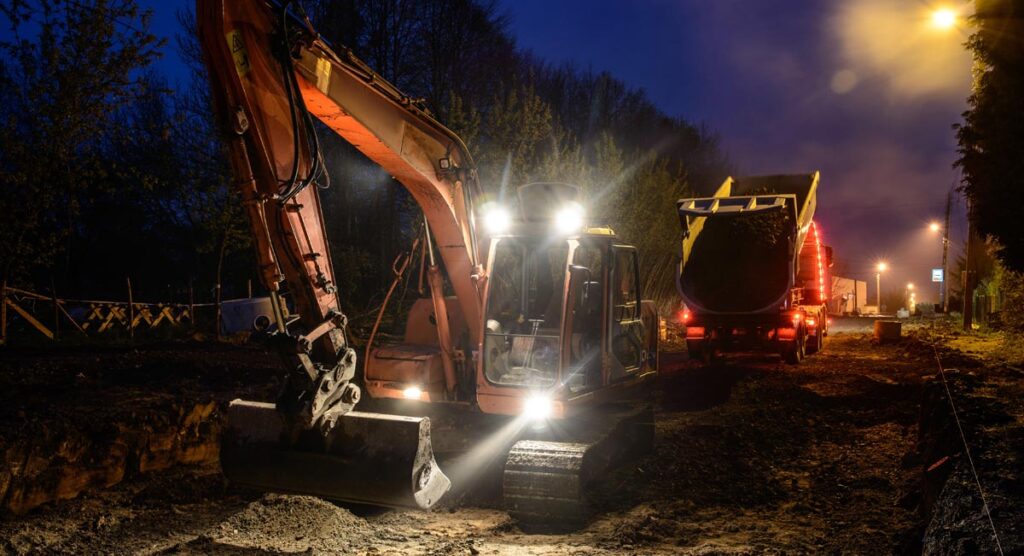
(78, 419)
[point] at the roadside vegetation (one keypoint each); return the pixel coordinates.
(990, 141)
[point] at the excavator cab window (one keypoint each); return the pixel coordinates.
(524, 311)
(627, 328)
(587, 315)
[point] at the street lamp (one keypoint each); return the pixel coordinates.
(881, 267)
(934, 227)
(944, 18)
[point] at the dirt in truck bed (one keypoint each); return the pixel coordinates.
(739, 262)
(838, 454)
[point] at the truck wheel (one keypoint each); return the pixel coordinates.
(711, 355)
(814, 343)
(793, 353)
(695, 349)
(701, 350)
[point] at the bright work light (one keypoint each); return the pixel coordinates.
(538, 407)
(569, 219)
(412, 393)
(497, 219)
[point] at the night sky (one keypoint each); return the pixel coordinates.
(864, 90)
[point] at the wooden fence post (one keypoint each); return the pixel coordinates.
(131, 310)
(3, 313)
(191, 306)
(217, 323)
(56, 311)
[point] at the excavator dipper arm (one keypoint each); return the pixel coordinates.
(270, 75)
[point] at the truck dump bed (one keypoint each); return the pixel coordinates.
(740, 248)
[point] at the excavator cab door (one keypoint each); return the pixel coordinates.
(626, 328)
(586, 313)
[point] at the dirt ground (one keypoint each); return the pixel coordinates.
(842, 454)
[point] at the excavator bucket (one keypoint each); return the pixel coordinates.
(367, 458)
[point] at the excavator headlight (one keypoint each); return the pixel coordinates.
(497, 219)
(569, 218)
(538, 407)
(412, 393)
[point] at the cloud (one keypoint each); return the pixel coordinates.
(843, 81)
(897, 41)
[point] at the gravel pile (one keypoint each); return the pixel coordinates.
(282, 523)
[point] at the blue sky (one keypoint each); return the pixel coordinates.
(862, 90)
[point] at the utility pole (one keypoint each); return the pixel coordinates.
(943, 288)
(969, 273)
(878, 290)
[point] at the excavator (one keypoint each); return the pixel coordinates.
(544, 332)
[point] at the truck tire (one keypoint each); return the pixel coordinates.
(695, 349)
(814, 343)
(702, 350)
(794, 352)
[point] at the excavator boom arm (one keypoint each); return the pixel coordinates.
(241, 39)
(270, 76)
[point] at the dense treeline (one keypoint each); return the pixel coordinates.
(990, 140)
(111, 172)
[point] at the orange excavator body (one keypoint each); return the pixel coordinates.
(494, 347)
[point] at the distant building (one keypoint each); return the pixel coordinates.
(849, 296)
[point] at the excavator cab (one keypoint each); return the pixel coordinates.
(563, 315)
(546, 308)
(559, 296)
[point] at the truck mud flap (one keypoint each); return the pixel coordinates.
(366, 458)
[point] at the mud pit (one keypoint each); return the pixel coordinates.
(752, 457)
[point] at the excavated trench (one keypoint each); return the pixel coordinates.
(989, 407)
(854, 451)
(80, 419)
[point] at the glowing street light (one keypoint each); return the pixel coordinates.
(934, 227)
(910, 286)
(944, 18)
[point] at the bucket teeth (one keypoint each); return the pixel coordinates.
(367, 458)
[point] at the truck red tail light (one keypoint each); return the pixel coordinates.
(684, 316)
(811, 322)
(694, 332)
